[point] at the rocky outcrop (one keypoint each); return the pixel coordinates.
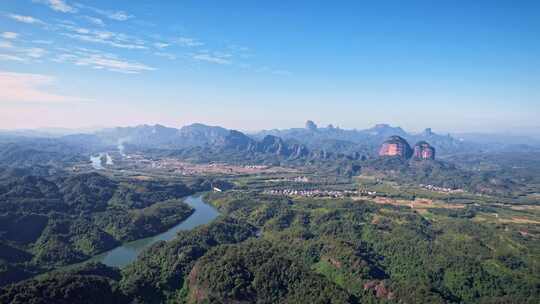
(396, 146)
(273, 144)
(238, 141)
(423, 151)
(200, 135)
(276, 145)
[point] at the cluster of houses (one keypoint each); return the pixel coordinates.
(319, 193)
(441, 189)
(297, 179)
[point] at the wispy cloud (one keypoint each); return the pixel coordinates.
(58, 5)
(20, 54)
(9, 35)
(25, 19)
(113, 39)
(161, 45)
(119, 16)
(23, 87)
(42, 41)
(94, 20)
(240, 51)
(9, 57)
(166, 55)
(35, 52)
(217, 58)
(113, 15)
(188, 42)
(93, 31)
(266, 69)
(97, 39)
(113, 64)
(99, 60)
(5, 45)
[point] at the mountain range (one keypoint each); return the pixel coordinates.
(203, 142)
(286, 142)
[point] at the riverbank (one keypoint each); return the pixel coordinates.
(126, 253)
(121, 256)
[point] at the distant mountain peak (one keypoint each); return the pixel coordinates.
(381, 126)
(383, 129)
(311, 126)
(427, 132)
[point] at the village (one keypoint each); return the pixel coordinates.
(319, 193)
(441, 189)
(140, 162)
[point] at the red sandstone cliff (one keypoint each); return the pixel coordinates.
(395, 146)
(423, 150)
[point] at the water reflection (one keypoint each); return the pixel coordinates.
(127, 253)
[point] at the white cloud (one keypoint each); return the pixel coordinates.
(23, 87)
(161, 45)
(113, 39)
(42, 41)
(266, 69)
(99, 60)
(119, 16)
(113, 64)
(21, 54)
(8, 57)
(213, 58)
(9, 35)
(25, 19)
(58, 5)
(35, 52)
(113, 15)
(5, 45)
(99, 38)
(94, 20)
(188, 42)
(166, 55)
(82, 30)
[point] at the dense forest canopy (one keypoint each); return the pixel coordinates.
(298, 224)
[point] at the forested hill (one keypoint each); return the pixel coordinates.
(277, 250)
(49, 221)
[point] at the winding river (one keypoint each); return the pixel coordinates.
(128, 252)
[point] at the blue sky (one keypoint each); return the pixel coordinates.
(451, 65)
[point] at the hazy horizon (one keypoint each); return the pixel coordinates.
(468, 68)
(525, 133)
